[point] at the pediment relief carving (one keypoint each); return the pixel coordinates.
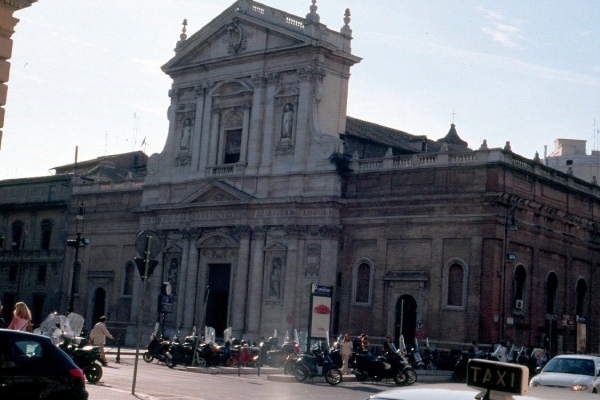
(217, 240)
(217, 193)
(231, 88)
(275, 247)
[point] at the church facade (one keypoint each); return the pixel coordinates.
(265, 186)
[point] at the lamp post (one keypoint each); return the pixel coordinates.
(79, 223)
(510, 214)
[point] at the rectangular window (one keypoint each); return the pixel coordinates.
(41, 276)
(12, 272)
(233, 146)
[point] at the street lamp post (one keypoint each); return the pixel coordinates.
(510, 214)
(79, 223)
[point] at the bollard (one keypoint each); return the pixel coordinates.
(118, 360)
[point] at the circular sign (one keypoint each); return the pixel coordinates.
(420, 334)
(289, 319)
(420, 324)
(141, 244)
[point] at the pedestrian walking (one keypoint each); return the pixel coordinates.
(21, 318)
(346, 351)
(502, 352)
(98, 337)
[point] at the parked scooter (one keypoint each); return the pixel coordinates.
(64, 332)
(157, 348)
(414, 358)
(317, 363)
(183, 353)
(388, 366)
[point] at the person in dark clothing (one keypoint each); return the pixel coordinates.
(2, 321)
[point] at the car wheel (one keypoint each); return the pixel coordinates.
(93, 373)
(301, 373)
(147, 357)
(333, 376)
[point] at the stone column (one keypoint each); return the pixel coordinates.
(198, 135)
(255, 289)
(240, 285)
(213, 138)
(246, 108)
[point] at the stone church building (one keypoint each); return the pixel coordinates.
(265, 186)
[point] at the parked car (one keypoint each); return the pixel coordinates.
(32, 367)
(457, 391)
(577, 372)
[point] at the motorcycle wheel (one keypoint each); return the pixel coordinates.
(200, 362)
(147, 357)
(411, 376)
(301, 373)
(93, 373)
(170, 363)
(232, 362)
(288, 369)
(333, 376)
(400, 378)
(361, 376)
(431, 366)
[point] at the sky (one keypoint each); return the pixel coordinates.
(86, 74)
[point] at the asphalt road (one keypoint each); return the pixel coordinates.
(157, 382)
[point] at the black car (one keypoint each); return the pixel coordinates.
(32, 367)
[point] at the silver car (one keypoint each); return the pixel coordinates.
(577, 372)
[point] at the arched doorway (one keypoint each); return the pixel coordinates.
(406, 319)
(99, 305)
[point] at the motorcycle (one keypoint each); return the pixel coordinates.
(388, 366)
(429, 360)
(317, 363)
(250, 356)
(183, 353)
(460, 369)
(157, 348)
(64, 332)
(276, 358)
(414, 358)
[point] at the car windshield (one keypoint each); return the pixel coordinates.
(571, 366)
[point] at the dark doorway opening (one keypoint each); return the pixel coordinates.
(406, 320)
(99, 305)
(218, 297)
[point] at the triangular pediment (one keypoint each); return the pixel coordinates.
(236, 33)
(217, 193)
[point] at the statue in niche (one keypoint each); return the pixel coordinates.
(173, 272)
(275, 281)
(287, 122)
(186, 133)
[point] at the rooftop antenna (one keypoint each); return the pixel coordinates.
(105, 142)
(136, 121)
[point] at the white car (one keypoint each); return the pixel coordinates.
(455, 391)
(577, 372)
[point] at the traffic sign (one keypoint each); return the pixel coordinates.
(141, 244)
(166, 304)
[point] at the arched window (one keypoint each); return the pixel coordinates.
(128, 277)
(46, 229)
(551, 293)
(363, 281)
(455, 284)
(519, 284)
(580, 307)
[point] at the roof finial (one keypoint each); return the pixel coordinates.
(313, 16)
(181, 43)
(346, 28)
(183, 36)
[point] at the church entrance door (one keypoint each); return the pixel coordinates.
(218, 298)
(406, 319)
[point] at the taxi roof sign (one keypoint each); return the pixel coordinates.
(498, 376)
